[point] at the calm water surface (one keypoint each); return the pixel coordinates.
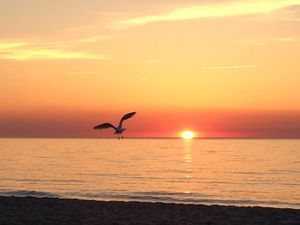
(239, 172)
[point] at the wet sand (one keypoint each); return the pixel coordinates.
(38, 211)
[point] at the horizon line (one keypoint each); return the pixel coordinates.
(33, 137)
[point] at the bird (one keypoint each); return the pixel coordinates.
(118, 130)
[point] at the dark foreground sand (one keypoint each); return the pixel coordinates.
(40, 211)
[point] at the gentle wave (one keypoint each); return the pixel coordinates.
(179, 198)
(41, 181)
(186, 198)
(164, 197)
(24, 193)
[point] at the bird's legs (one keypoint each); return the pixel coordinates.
(118, 137)
(122, 136)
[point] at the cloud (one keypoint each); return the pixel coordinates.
(285, 39)
(153, 61)
(9, 45)
(82, 73)
(47, 54)
(144, 78)
(34, 51)
(225, 9)
(263, 41)
(92, 39)
(227, 67)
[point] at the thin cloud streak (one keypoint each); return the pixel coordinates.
(227, 67)
(82, 73)
(47, 54)
(92, 39)
(153, 61)
(209, 11)
(21, 51)
(9, 45)
(264, 41)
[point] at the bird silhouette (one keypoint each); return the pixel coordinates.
(118, 130)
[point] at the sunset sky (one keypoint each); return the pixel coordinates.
(222, 68)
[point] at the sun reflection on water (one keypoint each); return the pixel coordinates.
(187, 151)
(187, 159)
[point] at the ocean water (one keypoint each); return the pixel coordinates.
(199, 171)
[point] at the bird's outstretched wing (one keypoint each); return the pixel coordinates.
(125, 117)
(104, 125)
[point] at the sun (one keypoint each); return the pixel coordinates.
(187, 134)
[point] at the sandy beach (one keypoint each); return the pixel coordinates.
(29, 210)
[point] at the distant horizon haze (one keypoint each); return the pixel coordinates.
(205, 124)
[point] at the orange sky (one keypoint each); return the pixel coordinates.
(221, 68)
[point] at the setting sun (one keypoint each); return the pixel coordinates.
(187, 134)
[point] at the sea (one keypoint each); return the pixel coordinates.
(242, 172)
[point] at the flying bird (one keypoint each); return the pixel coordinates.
(118, 130)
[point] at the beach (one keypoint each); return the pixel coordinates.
(50, 211)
